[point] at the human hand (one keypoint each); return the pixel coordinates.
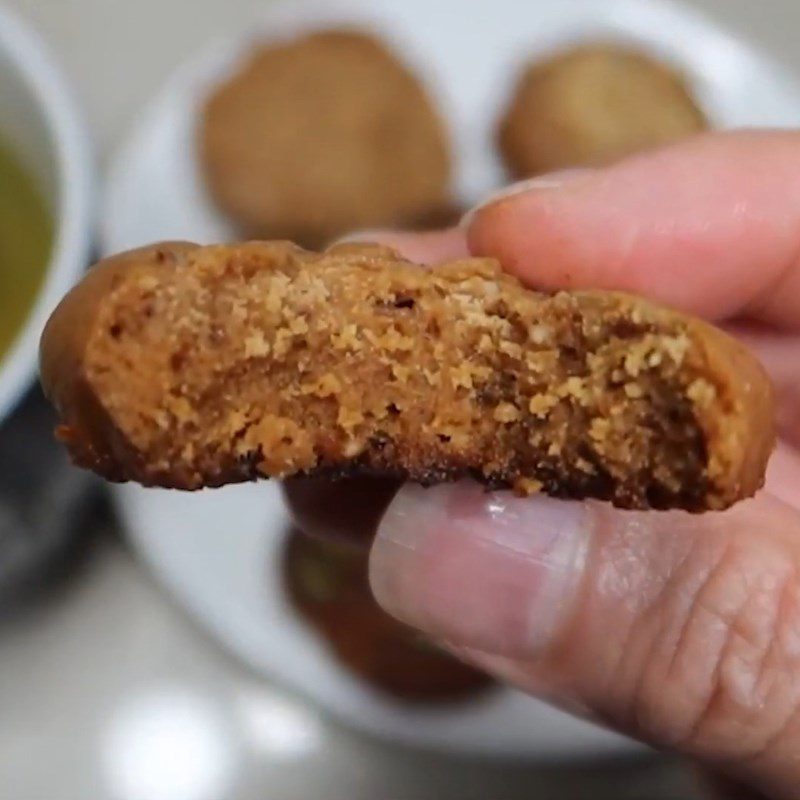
(681, 630)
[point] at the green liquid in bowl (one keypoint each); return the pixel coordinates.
(26, 239)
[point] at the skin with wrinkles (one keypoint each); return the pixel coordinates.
(693, 641)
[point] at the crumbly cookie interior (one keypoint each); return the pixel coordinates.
(266, 360)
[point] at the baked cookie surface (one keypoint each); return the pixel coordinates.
(184, 366)
(592, 105)
(322, 135)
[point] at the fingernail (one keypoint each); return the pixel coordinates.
(366, 235)
(541, 183)
(488, 571)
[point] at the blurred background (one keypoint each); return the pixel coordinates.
(109, 688)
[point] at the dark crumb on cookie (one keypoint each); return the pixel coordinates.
(186, 366)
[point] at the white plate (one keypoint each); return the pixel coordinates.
(218, 551)
(44, 127)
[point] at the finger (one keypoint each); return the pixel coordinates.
(783, 474)
(711, 225)
(429, 247)
(347, 509)
(682, 629)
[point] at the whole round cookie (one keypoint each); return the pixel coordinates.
(322, 135)
(592, 105)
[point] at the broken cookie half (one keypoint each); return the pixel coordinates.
(184, 366)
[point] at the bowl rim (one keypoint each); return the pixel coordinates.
(73, 214)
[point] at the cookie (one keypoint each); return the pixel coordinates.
(185, 366)
(327, 582)
(592, 105)
(322, 135)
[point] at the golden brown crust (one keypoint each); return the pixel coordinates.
(186, 366)
(322, 135)
(591, 105)
(741, 437)
(63, 346)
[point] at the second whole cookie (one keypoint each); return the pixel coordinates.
(593, 104)
(322, 135)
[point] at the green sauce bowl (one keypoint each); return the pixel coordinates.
(46, 167)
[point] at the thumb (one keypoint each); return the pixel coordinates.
(682, 630)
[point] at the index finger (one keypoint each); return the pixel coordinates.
(710, 226)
